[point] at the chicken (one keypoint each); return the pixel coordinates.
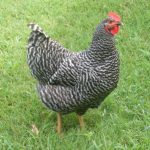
(74, 82)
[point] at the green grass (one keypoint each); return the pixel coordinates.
(122, 121)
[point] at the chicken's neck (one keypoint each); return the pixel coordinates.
(102, 46)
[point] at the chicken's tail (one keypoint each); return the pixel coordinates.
(36, 28)
(37, 35)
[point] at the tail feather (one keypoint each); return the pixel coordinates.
(36, 28)
(37, 35)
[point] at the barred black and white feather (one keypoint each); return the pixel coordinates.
(73, 82)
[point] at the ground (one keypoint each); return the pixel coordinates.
(122, 121)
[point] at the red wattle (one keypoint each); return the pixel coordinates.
(115, 30)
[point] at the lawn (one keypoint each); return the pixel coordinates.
(121, 122)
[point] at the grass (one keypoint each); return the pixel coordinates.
(122, 121)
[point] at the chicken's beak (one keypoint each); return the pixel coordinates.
(120, 23)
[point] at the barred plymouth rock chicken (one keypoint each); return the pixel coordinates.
(74, 82)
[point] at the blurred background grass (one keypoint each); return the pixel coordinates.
(122, 121)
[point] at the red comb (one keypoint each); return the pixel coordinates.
(114, 15)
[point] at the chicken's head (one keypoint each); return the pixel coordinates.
(112, 23)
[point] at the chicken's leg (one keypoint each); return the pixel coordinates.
(59, 123)
(81, 121)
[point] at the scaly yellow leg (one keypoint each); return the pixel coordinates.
(59, 123)
(81, 121)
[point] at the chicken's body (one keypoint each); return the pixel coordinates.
(73, 82)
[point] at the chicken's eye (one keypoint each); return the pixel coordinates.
(111, 20)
